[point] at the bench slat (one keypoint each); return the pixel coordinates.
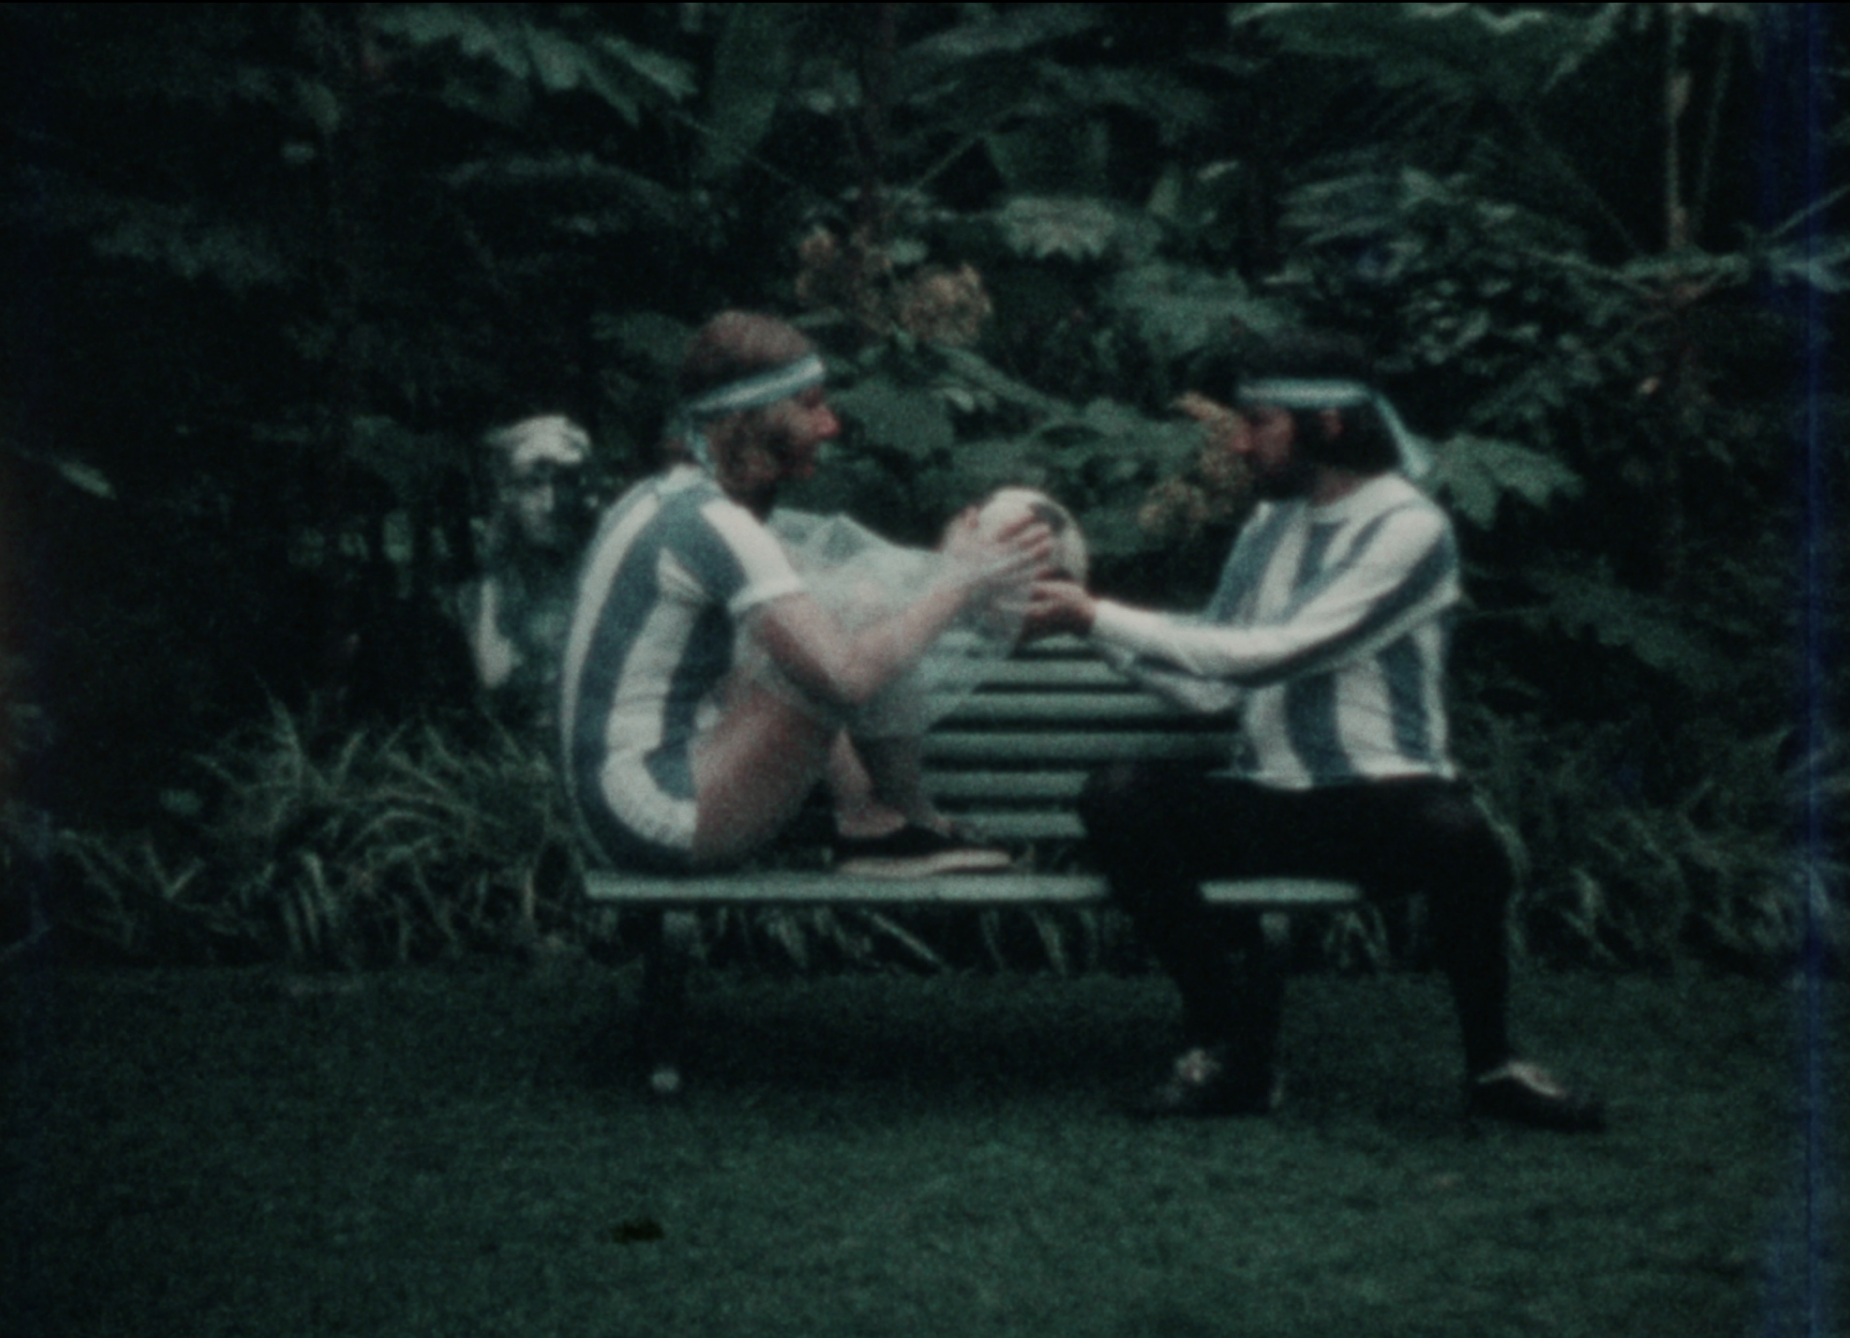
(1055, 675)
(1027, 824)
(1079, 709)
(1020, 746)
(967, 889)
(962, 787)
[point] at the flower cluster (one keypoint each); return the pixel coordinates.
(858, 278)
(1215, 487)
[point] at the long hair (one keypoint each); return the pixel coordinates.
(735, 344)
(1364, 445)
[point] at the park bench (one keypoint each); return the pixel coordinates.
(1010, 761)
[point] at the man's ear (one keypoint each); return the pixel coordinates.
(1332, 423)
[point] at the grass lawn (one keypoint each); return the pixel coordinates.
(457, 1152)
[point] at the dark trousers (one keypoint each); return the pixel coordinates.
(1159, 829)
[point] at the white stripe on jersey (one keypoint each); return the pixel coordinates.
(594, 585)
(633, 720)
(1333, 619)
(654, 634)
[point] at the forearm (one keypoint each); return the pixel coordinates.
(880, 653)
(1339, 625)
(843, 670)
(1202, 651)
(1198, 696)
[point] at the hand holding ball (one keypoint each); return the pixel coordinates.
(1009, 506)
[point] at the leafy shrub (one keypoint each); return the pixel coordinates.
(396, 846)
(1623, 869)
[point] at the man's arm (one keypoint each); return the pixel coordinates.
(1404, 574)
(845, 670)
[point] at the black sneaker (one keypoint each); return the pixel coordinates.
(1524, 1093)
(913, 852)
(1202, 1085)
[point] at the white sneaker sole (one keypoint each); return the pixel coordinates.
(925, 866)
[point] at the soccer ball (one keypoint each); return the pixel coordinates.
(1008, 505)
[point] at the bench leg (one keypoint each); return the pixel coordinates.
(667, 957)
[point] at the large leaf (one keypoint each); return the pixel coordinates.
(1072, 228)
(623, 75)
(672, 78)
(573, 180)
(479, 37)
(1179, 310)
(907, 419)
(1591, 604)
(1174, 106)
(1454, 52)
(757, 53)
(1477, 473)
(74, 472)
(1051, 156)
(991, 33)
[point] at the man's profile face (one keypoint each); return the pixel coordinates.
(797, 427)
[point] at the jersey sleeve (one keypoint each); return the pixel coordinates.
(736, 560)
(1405, 574)
(1197, 696)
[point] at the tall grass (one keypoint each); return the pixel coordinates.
(1627, 866)
(392, 846)
(434, 841)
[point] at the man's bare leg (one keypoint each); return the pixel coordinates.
(753, 771)
(895, 768)
(861, 810)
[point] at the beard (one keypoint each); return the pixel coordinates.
(1286, 482)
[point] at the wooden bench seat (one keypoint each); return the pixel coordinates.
(780, 887)
(1010, 761)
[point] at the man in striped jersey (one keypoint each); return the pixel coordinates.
(672, 761)
(1326, 639)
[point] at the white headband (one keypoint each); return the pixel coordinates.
(1291, 392)
(751, 392)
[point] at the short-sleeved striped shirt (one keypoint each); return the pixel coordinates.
(674, 567)
(1333, 621)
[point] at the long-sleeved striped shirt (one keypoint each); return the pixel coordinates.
(1328, 632)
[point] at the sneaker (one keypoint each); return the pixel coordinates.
(1523, 1093)
(1203, 1086)
(913, 852)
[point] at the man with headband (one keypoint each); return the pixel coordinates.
(1327, 637)
(672, 760)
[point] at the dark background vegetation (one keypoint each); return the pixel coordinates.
(276, 267)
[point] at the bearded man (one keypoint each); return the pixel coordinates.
(1326, 637)
(673, 761)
